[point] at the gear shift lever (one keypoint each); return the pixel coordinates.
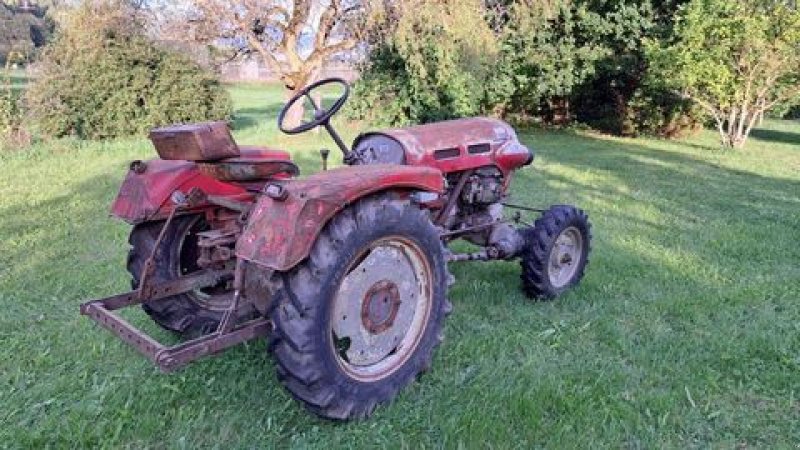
(324, 154)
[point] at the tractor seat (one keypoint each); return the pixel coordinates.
(211, 146)
(253, 164)
(253, 152)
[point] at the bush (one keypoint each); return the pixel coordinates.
(102, 78)
(434, 65)
(648, 110)
(789, 109)
(547, 62)
(9, 112)
(544, 55)
(12, 133)
(661, 113)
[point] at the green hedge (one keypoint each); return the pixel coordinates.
(113, 81)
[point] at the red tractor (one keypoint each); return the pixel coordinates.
(345, 271)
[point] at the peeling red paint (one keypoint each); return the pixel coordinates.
(280, 233)
(145, 195)
(422, 142)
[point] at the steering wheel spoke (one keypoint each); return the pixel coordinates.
(317, 108)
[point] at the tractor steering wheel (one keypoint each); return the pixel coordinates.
(321, 116)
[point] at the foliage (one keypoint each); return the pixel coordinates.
(787, 109)
(655, 111)
(545, 54)
(464, 58)
(383, 93)
(10, 115)
(102, 78)
(792, 113)
(434, 65)
(621, 98)
(22, 30)
(736, 59)
(547, 61)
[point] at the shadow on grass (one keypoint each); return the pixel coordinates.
(246, 118)
(780, 137)
(655, 174)
(685, 194)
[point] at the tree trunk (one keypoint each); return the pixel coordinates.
(295, 82)
(736, 130)
(294, 117)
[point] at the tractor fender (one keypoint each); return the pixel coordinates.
(145, 193)
(281, 231)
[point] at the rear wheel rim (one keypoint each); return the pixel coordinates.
(381, 309)
(565, 257)
(213, 298)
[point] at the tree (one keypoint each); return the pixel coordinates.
(736, 59)
(545, 54)
(620, 97)
(445, 59)
(23, 28)
(102, 77)
(431, 62)
(293, 38)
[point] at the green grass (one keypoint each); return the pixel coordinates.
(17, 78)
(684, 333)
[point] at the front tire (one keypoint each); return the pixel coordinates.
(359, 319)
(556, 252)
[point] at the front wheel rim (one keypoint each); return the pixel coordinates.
(381, 309)
(565, 257)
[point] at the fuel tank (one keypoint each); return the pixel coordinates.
(450, 146)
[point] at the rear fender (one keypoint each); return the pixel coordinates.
(145, 193)
(280, 233)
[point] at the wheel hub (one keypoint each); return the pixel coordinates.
(564, 257)
(380, 306)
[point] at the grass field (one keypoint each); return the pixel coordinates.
(684, 333)
(16, 78)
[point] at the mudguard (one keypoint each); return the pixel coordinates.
(145, 193)
(280, 232)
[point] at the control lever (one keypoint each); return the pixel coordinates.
(324, 153)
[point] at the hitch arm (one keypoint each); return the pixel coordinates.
(172, 358)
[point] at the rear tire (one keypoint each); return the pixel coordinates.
(556, 252)
(191, 314)
(350, 334)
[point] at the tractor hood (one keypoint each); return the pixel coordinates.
(450, 145)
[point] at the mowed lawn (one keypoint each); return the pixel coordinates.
(684, 333)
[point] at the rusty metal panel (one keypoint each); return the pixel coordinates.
(280, 232)
(145, 193)
(457, 145)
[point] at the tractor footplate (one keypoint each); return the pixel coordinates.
(167, 358)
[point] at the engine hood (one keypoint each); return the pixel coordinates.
(453, 144)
